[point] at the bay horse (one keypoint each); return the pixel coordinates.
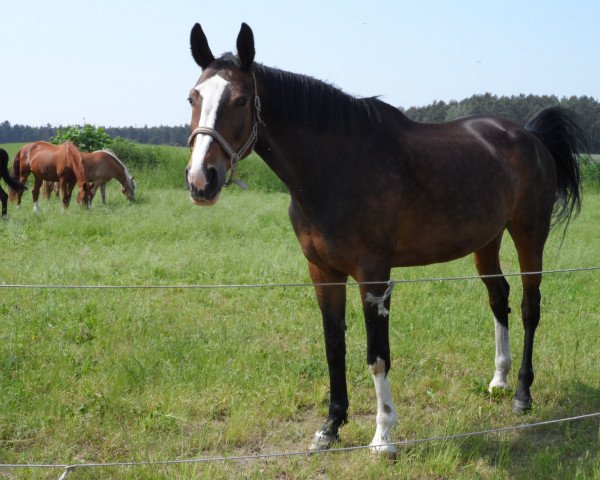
(372, 190)
(53, 163)
(10, 181)
(102, 166)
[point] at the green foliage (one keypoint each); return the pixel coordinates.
(590, 170)
(87, 138)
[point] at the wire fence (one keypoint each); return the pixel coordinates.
(220, 286)
(68, 468)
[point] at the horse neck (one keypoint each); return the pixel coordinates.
(76, 162)
(309, 154)
(118, 170)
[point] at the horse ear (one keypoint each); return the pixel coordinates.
(200, 49)
(245, 46)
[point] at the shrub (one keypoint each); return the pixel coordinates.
(87, 138)
(590, 170)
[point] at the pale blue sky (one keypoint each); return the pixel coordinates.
(121, 63)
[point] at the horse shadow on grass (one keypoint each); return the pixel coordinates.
(560, 450)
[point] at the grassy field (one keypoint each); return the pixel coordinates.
(144, 375)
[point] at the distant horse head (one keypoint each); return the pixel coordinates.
(225, 108)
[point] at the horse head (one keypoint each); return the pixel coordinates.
(128, 189)
(225, 109)
(85, 195)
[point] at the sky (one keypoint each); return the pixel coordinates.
(128, 62)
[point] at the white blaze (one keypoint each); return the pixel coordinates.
(211, 91)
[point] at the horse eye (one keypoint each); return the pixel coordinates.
(190, 100)
(242, 101)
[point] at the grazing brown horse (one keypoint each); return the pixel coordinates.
(11, 182)
(102, 166)
(372, 190)
(54, 163)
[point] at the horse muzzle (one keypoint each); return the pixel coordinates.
(205, 185)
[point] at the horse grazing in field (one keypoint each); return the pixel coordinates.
(372, 190)
(102, 166)
(11, 182)
(53, 163)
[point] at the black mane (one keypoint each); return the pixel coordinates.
(304, 100)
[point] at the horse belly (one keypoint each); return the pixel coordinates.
(444, 236)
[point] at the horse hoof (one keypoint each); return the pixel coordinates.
(389, 452)
(498, 384)
(521, 406)
(322, 441)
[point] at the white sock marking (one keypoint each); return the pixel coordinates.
(386, 413)
(503, 360)
(36, 207)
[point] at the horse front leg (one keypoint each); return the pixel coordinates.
(66, 188)
(35, 193)
(376, 308)
(332, 302)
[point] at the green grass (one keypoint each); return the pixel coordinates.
(136, 375)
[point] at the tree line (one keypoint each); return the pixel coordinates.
(519, 108)
(162, 135)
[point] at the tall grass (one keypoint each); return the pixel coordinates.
(119, 375)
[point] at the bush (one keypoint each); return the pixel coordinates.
(87, 138)
(590, 170)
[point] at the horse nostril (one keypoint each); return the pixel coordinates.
(210, 174)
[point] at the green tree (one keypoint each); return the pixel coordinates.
(87, 138)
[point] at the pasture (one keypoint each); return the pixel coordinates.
(144, 375)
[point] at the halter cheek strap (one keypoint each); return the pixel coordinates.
(234, 157)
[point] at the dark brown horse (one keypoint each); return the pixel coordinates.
(53, 163)
(11, 182)
(372, 190)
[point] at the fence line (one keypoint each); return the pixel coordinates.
(265, 456)
(287, 285)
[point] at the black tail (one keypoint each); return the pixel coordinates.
(12, 182)
(558, 131)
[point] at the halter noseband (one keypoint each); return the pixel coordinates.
(234, 157)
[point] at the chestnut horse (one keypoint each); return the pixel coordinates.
(372, 190)
(11, 182)
(102, 166)
(54, 163)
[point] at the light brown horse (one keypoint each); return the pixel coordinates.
(103, 165)
(54, 163)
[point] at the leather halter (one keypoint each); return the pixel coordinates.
(248, 146)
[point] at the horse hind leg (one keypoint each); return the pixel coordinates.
(487, 261)
(530, 246)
